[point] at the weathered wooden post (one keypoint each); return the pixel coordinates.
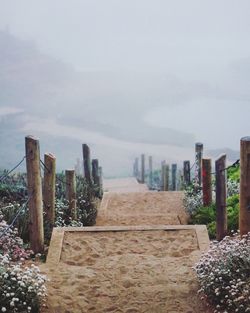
(186, 173)
(95, 174)
(136, 168)
(166, 177)
(163, 163)
(78, 167)
(198, 162)
(36, 232)
(49, 187)
(150, 165)
(100, 174)
(86, 163)
(174, 170)
(71, 192)
(143, 168)
(221, 197)
(207, 181)
(244, 217)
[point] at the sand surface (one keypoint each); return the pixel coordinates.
(128, 271)
(129, 184)
(142, 208)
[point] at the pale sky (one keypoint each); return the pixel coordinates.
(196, 53)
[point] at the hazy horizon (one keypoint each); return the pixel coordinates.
(129, 77)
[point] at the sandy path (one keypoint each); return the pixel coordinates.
(142, 208)
(123, 185)
(127, 271)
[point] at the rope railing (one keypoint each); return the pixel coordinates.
(235, 164)
(22, 209)
(44, 167)
(4, 176)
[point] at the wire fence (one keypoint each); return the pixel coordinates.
(22, 209)
(44, 167)
(5, 175)
(234, 165)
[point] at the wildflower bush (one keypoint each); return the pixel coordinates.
(22, 289)
(11, 244)
(192, 199)
(224, 274)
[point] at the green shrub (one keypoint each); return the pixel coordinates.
(233, 173)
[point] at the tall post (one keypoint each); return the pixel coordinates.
(163, 163)
(36, 232)
(150, 165)
(86, 163)
(71, 192)
(49, 187)
(95, 174)
(166, 177)
(100, 174)
(186, 173)
(136, 168)
(244, 218)
(78, 167)
(143, 168)
(174, 170)
(198, 161)
(207, 181)
(221, 197)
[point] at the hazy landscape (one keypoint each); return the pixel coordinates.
(119, 113)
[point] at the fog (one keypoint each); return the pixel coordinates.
(127, 77)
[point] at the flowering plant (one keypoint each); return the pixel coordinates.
(192, 199)
(224, 274)
(22, 289)
(11, 243)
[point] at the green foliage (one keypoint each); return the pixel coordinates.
(207, 215)
(233, 208)
(233, 173)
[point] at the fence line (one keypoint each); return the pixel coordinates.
(4, 176)
(24, 206)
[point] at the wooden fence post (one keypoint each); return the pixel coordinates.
(95, 174)
(198, 158)
(207, 181)
(49, 187)
(78, 167)
(174, 170)
(163, 163)
(244, 218)
(186, 173)
(100, 174)
(166, 177)
(150, 165)
(221, 197)
(136, 168)
(143, 168)
(36, 231)
(71, 192)
(86, 163)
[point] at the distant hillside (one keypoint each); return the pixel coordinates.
(105, 103)
(232, 155)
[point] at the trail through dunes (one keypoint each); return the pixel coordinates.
(138, 258)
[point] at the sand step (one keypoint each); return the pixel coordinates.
(125, 269)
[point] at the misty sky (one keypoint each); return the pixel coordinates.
(202, 46)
